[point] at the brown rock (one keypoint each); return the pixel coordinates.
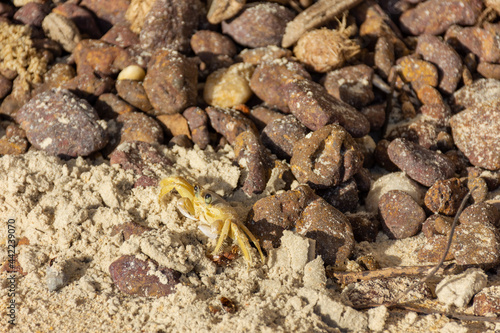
(476, 132)
(131, 275)
(489, 70)
(423, 133)
(273, 214)
(433, 250)
(259, 24)
(129, 229)
(181, 140)
(479, 188)
(487, 302)
(108, 13)
(400, 214)
(437, 225)
(55, 77)
(229, 122)
(435, 16)
(89, 86)
(32, 14)
(121, 36)
(351, 84)
(262, 116)
(445, 58)
(175, 124)
(171, 82)
(343, 197)
(247, 147)
(82, 18)
(170, 24)
(96, 57)
(481, 42)
(375, 114)
(384, 56)
(264, 54)
(213, 48)
(476, 244)
(14, 142)
(110, 106)
(417, 72)
(420, 164)
(331, 230)
(198, 124)
(134, 93)
(5, 86)
(326, 157)
(281, 134)
(382, 157)
(140, 157)
(61, 124)
(480, 213)
(445, 196)
(137, 126)
(269, 78)
(365, 226)
(311, 104)
(481, 91)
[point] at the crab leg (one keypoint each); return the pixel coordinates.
(242, 241)
(254, 240)
(185, 189)
(185, 206)
(223, 236)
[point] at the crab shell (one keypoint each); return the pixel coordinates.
(219, 218)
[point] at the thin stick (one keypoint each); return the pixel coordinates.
(445, 253)
(315, 16)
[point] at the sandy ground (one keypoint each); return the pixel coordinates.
(67, 210)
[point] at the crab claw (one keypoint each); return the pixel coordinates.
(181, 185)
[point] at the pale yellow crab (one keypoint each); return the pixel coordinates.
(218, 217)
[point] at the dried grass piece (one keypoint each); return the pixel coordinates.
(324, 49)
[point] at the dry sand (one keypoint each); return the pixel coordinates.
(67, 210)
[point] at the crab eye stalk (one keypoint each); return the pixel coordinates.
(208, 199)
(196, 190)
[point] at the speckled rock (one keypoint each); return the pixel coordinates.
(445, 196)
(437, 225)
(281, 134)
(170, 24)
(198, 124)
(365, 226)
(351, 84)
(481, 212)
(481, 91)
(141, 157)
(228, 122)
(134, 93)
(487, 302)
(137, 126)
(251, 154)
(477, 243)
(214, 49)
(259, 24)
(110, 106)
(132, 276)
(171, 82)
(433, 250)
(326, 157)
(269, 78)
(423, 165)
(61, 124)
(401, 216)
(344, 197)
(14, 141)
(476, 132)
(311, 104)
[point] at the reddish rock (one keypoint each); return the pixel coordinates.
(281, 134)
(445, 196)
(198, 125)
(401, 216)
(487, 302)
(229, 122)
(477, 244)
(482, 213)
(365, 226)
(132, 276)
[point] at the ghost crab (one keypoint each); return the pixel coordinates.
(219, 218)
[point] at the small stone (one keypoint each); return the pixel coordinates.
(479, 189)
(262, 115)
(375, 114)
(424, 133)
(5, 86)
(198, 124)
(214, 49)
(481, 91)
(326, 157)
(248, 147)
(264, 54)
(382, 157)
(62, 30)
(134, 93)
(170, 24)
(129, 229)
(259, 24)
(433, 250)
(351, 84)
(55, 278)
(171, 82)
(107, 13)
(14, 142)
(477, 244)
(459, 289)
(175, 124)
(229, 87)
(487, 302)
(229, 122)
(110, 106)
(55, 77)
(32, 14)
(137, 126)
(401, 216)
(476, 132)
(82, 18)
(121, 36)
(435, 16)
(482, 213)
(61, 124)
(311, 104)
(445, 196)
(343, 197)
(419, 163)
(181, 140)
(365, 226)
(270, 77)
(281, 134)
(437, 225)
(417, 72)
(483, 43)
(140, 157)
(331, 230)
(134, 276)
(384, 56)
(89, 86)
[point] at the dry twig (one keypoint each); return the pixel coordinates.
(315, 16)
